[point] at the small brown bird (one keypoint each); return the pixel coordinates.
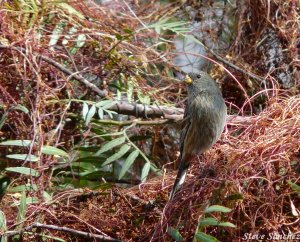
(203, 122)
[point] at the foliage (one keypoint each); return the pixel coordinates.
(200, 235)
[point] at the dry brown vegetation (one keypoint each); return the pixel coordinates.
(254, 169)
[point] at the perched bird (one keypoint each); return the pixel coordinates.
(203, 122)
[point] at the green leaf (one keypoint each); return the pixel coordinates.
(47, 197)
(111, 134)
(21, 108)
(205, 237)
(50, 150)
(3, 227)
(85, 110)
(128, 31)
(56, 33)
(23, 170)
(28, 200)
(145, 171)
(69, 36)
(23, 143)
(174, 233)
(144, 99)
(3, 119)
(20, 188)
(226, 224)
(128, 162)
(208, 221)
(90, 115)
(3, 238)
(83, 166)
(119, 94)
(31, 158)
(177, 27)
(100, 113)
(89, 159)
(294, 186)
(80, 40)
(155, 170)
(109, 105)
(129, 91)
(123, 150)
(22, 209)
(193, 38)
(110, 113)
(103, 103)
(110, 145)
(119, 37)
(217, 208)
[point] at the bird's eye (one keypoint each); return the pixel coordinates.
(198, 76)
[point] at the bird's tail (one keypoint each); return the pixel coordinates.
(179, 179)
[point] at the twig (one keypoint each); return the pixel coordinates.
(63, 229)
(135, 121)
(78, 77)
(219, 58)
(136, 17)
(254, 76)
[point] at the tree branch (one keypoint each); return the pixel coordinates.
(63, 229)
(145, 111)
(248, 73)
(135, 121)
(231, 65)
(78, 77)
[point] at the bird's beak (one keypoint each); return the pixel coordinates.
(188, 79)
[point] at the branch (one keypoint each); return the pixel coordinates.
(145, 111)
(219, 58)
(63, 229)
(232, 120)
(160, 115)
(136, 121)
(78, 77)
(226, 62)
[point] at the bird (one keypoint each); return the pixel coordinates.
(203, 122)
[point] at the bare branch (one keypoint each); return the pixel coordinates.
(136, 121)
(145, 111)
(63, 229)
(78, 77)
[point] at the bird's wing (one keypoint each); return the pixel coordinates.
(185, 124)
